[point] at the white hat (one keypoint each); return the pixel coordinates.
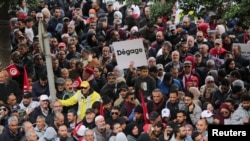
(44, 97)
(206, 114)
(98, 118)
(165, 112)
(81, 130)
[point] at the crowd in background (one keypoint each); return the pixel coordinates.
(196, 75)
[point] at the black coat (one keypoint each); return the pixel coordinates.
(7, 135)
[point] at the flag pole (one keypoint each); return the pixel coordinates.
(44, 43)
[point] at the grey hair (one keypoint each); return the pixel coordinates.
(88, 130)
(12, 118)
(27, 134)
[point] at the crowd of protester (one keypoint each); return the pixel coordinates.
(196, 75)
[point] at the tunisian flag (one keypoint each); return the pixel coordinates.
(26, 84)
(144, 108)
(77, 82)
(12, 70)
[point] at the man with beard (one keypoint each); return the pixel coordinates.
(60, 87)
(157, 103)
(63, 134)
(42, 110)
(193, 110)
(160, 39)
(89, 119)
(128, 105)
(179, 134)
(175, 63)
(40, 87)
(102, 134)
(241, 116)
(110, 87)
(27, 103)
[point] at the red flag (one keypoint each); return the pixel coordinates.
(77, 82)
(12, 70)
(26, 84)
(144, 108)
(101, 109)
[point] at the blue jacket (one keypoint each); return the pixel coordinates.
(165, 89)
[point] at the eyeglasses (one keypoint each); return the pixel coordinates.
(114, 113)
(199, 36)
(83, 87)
(217, 44)
(187, 66)
(224, 112)
(210, 82)
(3, 109)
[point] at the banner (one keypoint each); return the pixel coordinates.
(26, 84)
(12, 70)
(77, 82)
(130, 51)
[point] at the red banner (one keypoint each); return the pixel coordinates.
(77, 82)
(144, 108)
(12, 70)
(26, 84)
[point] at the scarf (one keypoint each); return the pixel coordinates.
(129, 107)
(246, 38)
(157, 106)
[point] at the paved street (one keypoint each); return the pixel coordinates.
(4, 43)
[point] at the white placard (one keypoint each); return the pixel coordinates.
(245, 49)
(130, 51)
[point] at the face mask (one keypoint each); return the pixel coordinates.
(91, 15)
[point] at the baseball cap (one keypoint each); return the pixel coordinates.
(124, 87)
(15, 108)
(187, 62)
(159, 66)
(65, 18)
(85, 84)
(197, 53)
(206, 114)
(165, 112)
(89, 70)
(60, 80)
(153, 115)
(44, 97)
(109, 2)
(61, 44)
(183, 32)
(21, 36)
(172, 27)
(239, 83)
(218, 41)
(90, 110)
(27, 95)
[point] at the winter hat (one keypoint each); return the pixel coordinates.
(121, 137)
(209, 78)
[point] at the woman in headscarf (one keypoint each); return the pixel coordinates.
(223, 117)
(132, 131)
